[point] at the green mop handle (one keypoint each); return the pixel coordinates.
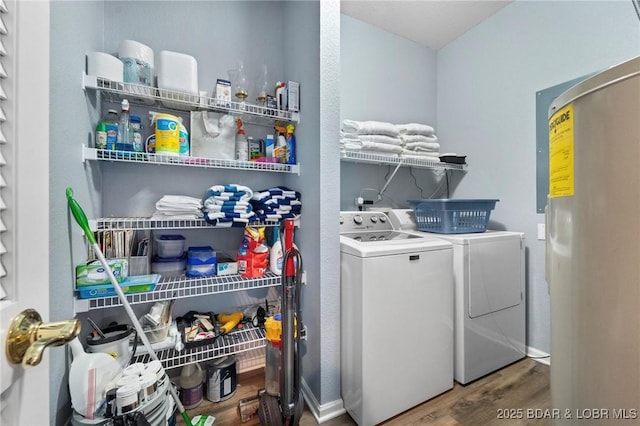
(81, 219)
(79, 216)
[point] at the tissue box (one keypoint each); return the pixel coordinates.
(227, 265)
(93, 273)
(178, 72)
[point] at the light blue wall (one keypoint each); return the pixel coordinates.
(70, 126)
(487, 84)
(385, 77)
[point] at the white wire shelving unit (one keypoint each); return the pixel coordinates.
(372, 158)
(180, 288)
(236, 342)
(93, 154)
(115, 91)
(145, 223)
(249, 338)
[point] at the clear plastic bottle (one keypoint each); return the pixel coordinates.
(125, 135)
(136, 130)
(191, 380)
(107, 131)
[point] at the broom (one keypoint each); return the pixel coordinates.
(81, 219)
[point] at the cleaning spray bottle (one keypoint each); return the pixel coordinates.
(291, 144)
(242, 146)
(280, 150)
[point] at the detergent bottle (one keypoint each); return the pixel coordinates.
(276, 254)
(291, 145)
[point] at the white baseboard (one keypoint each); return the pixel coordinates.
(538, 355)
(324, 412)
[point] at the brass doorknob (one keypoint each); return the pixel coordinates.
(28, 336)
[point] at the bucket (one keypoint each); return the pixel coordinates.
(167, 131)
(221, 379)
(115, 343)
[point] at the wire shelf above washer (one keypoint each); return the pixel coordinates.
(373, 158)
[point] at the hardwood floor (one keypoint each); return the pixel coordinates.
(521, 387)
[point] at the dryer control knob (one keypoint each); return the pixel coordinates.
(374, 219)
(357, 219)
(383, 219)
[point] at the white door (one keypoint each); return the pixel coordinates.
(25, 392)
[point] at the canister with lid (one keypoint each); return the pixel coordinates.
(221, 379)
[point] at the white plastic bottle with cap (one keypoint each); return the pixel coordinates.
(276, 254)
(191, 379)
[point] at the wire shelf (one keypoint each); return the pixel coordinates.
(371, 158)
(239, 341)
(183, 287)
(115, 91)
(144, 223)
(172, 160)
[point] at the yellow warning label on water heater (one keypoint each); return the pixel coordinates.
(561, 153)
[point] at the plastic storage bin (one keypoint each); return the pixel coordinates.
(446, 216)
(157, 334)
(169, 266)
(170, 245)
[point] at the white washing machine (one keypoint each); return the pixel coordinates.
(490, 315)
(396, 317)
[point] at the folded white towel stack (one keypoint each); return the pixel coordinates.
(373, 137)
(409, 140)
(416, 129)
(178, 207)
(370, 128)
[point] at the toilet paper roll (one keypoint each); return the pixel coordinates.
(144, 62)
(103, 65)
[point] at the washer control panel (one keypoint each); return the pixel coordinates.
(368, 221)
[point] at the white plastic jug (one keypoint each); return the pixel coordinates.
(191, 379)
(89, 376)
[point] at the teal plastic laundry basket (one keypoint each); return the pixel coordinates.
(447, 216)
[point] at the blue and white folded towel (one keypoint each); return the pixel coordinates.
(229, 193)
(276, 203)
(228, 205)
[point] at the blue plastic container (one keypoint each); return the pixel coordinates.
(201, 262)
(446, 216)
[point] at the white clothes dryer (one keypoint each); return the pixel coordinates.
(396, 317)
(489, 293)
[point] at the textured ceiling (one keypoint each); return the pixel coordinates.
(431, 23)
